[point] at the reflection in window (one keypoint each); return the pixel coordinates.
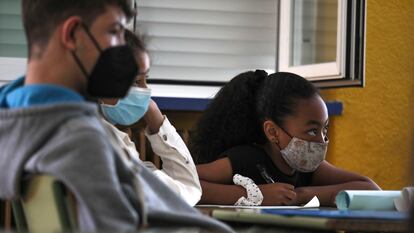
(314, 32)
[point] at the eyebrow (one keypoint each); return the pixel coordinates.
(117, 23)
(313, 122)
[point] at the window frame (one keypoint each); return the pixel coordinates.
(354, 64)
(321, 71)
(348, 69)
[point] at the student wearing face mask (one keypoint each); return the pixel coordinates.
(263, 141)
(178, 170)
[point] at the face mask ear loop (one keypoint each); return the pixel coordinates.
(81, 67)
(91, 37)
(278, 146)
(286, 132)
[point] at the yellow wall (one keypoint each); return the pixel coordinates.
(373, 136)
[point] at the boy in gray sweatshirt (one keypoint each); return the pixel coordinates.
(76, 51)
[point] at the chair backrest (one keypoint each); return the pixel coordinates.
(45, 206)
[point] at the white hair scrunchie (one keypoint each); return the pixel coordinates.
(254, 195)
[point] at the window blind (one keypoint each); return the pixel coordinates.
(12, 38)
(208, 41)
(13, 50)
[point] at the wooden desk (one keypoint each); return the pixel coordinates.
(255, 217)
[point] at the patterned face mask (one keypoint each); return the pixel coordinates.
(304, 156)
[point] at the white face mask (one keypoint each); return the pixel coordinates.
(304, 156)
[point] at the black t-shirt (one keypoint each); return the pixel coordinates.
(253, 162)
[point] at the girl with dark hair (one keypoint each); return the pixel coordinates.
(263, 140)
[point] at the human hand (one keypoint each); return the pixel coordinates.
(153, 117)
(278, 194)
(303, 196)
(152, 108)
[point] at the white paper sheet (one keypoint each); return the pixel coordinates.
(313, 203)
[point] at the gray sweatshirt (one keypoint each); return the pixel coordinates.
(68, 141)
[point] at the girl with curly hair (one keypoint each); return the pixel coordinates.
(263, 141)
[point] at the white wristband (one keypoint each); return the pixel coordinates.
(254, 195)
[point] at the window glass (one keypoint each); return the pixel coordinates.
(314, 32)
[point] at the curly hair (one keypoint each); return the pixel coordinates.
(236, 114)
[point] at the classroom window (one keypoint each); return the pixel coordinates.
(323, 40)
(310, 37)
(208, 42)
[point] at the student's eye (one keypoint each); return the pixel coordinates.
(139, 83)
(313, 132)
(114, 31)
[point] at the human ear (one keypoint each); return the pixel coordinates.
(68, 30)
(271, 130)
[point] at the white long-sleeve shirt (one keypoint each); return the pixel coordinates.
(178, 168)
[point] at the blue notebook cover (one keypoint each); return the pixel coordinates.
(356, 214)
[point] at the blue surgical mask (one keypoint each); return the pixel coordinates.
(130, 109)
